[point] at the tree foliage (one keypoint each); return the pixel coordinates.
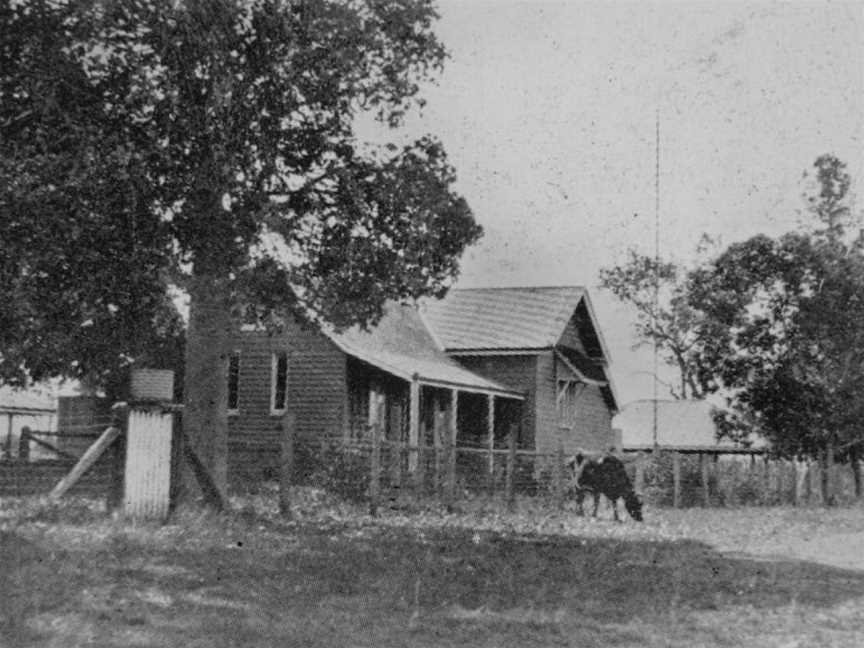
(795, 362)
(664, 316)
(210, 144)
(773, 324)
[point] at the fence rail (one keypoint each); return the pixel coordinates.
(25, 478)
(44, 457)
(380, 470)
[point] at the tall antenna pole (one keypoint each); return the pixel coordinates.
(656, 260)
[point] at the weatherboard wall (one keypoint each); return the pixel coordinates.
(593, 427)
(315, 393)
(516, 372)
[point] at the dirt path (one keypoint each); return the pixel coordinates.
(844, 550)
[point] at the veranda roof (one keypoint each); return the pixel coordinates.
(402, 345)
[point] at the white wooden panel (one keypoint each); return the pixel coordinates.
(148, 464)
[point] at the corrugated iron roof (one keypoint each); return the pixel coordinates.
(29, 400)
(502, 318)
(402, 345)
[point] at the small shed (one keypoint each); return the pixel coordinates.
(32, 408)
(685, 425)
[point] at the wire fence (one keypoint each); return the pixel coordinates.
(360, 470)
(41, 458)
(381, 472)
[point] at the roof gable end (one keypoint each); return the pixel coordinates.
(477, 319)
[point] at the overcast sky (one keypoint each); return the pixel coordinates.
(547, 111)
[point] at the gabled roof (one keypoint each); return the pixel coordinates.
(680, 424)
(586, 367)
(477, 319)
(589, 371)
(402, 345)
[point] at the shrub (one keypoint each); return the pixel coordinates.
(335, 467)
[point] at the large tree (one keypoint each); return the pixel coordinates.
(216, 138)
(794, 307)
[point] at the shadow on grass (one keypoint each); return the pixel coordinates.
(329, 587)
(611, 577)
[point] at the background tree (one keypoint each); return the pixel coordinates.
(793, 364)
(227, 128)
(658, 291)
(773, 324)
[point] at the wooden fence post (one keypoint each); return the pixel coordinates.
(706, 483)
(438, 433)
(855, 463)
(640, 473)
(375, 470)
(24, 444)
(396, 458)
(676, 479)
(414, 457)
(511, 467)
(178, 461)
(450, 473)
(286, 462)
(490, 441)
(722, 487)
(799, 479)
(418, 455)
(828, 477)
(119, 420)
(558, 477)
(809, 488)
(452, 437)
(84, 463)
(783, 495)
(6, 452)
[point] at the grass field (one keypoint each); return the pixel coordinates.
(333, 577)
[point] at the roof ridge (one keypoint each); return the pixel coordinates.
(555, 287)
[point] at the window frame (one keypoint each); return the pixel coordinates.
(275, 358)
(567, 394)
(234, 356)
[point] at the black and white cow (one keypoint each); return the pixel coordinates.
(605, 475)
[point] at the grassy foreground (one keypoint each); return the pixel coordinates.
(334, 577)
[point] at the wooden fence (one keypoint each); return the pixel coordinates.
(729, 477)
(45, 457)
(376, 470)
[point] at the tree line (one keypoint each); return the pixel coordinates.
(774, 325)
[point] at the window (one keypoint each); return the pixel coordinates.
(233, 382)
(278, 383)
(377, 405)
(568, 394)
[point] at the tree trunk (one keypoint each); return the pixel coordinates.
(827, 474)
(205, 418)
